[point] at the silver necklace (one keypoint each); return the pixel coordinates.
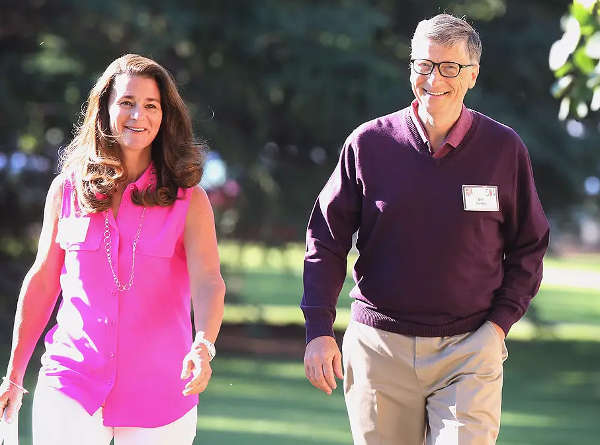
(107, 246)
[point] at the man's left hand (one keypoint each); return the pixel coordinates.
(499, 330)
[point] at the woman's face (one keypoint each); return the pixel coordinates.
(135, 112)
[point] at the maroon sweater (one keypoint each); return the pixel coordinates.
(426, 266)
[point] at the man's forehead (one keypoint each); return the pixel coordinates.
(424, 47)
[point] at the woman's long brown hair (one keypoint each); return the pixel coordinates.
(93, 161)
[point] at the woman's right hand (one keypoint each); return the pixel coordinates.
(11, 399)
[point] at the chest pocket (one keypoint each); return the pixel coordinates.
(79, 233)
(158, 247)
(160, 234)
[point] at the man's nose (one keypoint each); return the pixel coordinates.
(435, 73)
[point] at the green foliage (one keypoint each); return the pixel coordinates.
(575, 58)
(274, 86)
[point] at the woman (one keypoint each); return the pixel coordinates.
(128, 237)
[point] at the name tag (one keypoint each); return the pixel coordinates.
(480, 198)
(73, 230)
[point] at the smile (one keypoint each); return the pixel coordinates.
(135, 129)
(431, 93)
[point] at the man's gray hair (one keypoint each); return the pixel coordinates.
(447, 30)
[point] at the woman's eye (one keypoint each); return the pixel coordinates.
(127, 103)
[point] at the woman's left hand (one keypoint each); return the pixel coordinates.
(206, 287)
(196, 363)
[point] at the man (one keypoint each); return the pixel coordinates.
(451, 236)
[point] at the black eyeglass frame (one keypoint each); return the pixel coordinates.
(434, 64)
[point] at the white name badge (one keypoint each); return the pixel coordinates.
(73, 229)
(480, 198)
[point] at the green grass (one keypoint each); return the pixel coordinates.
(552, 376)
(551, 397)
(568, 304)
(551, 393)
(269, 402)
(585, 262)
(251, 256)
(266, 285)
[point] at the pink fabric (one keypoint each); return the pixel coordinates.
(455, 135)
(123, 350)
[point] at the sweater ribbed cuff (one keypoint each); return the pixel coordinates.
(319, 322)
(504, 316)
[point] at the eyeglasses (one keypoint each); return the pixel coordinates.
(447, 69)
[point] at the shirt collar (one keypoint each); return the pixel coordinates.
(146, 178)
(456, 133)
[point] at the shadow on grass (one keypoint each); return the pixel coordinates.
(553, 303)
(551, 397)
(568, 304)
(551, 393)
(229, 437)
(272, 287)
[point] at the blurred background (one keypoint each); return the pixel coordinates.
(274, 87)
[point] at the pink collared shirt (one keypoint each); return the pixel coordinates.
(123, 350)
(455, 135)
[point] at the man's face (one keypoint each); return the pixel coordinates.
(439, 95)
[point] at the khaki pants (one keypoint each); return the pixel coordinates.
(405, 390)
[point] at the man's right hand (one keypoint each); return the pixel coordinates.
(322, 363)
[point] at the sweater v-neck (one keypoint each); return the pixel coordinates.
(420, 149)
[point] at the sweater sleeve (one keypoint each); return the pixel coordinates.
(334, 219)
(526, 233)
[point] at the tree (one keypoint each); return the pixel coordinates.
(575, 61)
(575, 58)
(274, 87)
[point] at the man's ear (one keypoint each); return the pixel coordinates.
(473, 76)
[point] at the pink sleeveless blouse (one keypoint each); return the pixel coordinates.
(123, 350)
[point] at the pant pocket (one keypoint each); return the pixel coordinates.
(504, 351)
(500, 340)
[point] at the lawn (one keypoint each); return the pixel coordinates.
(551, 397)
(266, 285)
(552, 376)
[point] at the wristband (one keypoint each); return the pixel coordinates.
(210, 347)
(23, 390)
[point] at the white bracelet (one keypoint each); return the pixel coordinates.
(6, 379)
(210, 347)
